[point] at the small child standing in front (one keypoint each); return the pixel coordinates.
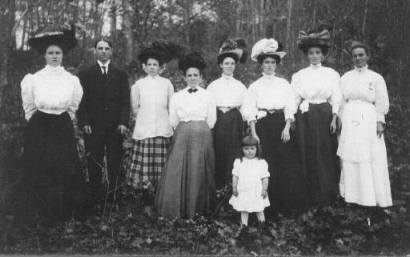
(250, 182)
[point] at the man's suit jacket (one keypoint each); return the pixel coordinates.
(106, 100)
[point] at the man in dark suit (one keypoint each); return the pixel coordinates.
(104, 115)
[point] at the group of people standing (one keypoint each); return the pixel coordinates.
(276, 142)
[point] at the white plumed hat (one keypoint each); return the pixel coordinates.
(267, 46)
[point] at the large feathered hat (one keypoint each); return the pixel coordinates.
(314, 39)
(235, 48)
(162, 51)
(53, 34)
(192, 60)
(267, 47)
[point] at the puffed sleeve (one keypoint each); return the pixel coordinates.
(382, 98)
(243, 89)
(211, 113)
(171, 91)
(290, 108)
(249, 107)
(296, 88)
(236, 164)
(76, 97)
(173, 116)
(336, 97)
(264, 171)
(343, 100)
(27, 96)
(135, 98)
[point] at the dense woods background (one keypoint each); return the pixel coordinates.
(202, 25)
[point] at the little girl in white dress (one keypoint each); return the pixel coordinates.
(250, 182)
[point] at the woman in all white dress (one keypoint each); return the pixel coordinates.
(365, 176)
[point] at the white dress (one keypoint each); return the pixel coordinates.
(365, 177)
(250, 173)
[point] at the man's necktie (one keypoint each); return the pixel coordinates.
(104, 70)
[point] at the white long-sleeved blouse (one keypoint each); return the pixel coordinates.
(317, 84)
(227, 91)
(150, 97)
(366, 85)
(52, 90)
(269, 93)
(196, 106)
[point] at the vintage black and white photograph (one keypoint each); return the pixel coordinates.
(205, 127)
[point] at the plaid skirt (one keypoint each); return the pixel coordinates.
(146, 161)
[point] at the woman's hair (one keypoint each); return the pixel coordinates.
(262, 58)
(221, 58)
(43, 48)
(363, 46)
(250, 141)
(325, 49)
(192, 60)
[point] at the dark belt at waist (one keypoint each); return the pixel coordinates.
(271, 111)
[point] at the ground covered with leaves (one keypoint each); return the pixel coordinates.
(134, 228)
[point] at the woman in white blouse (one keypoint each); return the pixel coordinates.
(365, 176)
(50, 160)
(228, 93)
(318, 97)
(269, 109)
(150, 97)
(187, 184)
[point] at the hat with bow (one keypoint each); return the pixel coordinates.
(315, 39)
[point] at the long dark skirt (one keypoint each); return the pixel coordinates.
(228, 132)
(53, 183)
(187, 183)
(287, 183)
(318, 153)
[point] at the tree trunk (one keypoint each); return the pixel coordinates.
(366, 9)
(127, 30)
(289, 25)
(7, 8)
(239, 7)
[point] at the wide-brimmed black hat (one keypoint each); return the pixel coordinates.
(53, 34)
(162, 51)
(192, 60)
(235, 48)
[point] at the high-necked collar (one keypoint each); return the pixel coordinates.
(188, 87)
(227, 77)
(271, 76)
(361, 69)
(152, 77)
(49, 68)
(315, 66)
